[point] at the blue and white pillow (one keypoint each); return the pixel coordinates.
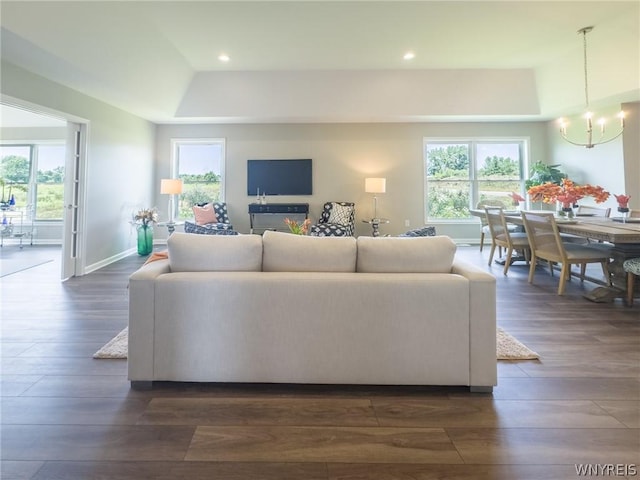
(341, 214)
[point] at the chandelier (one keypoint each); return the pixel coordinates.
(590, 143)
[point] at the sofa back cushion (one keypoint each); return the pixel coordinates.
(285, 252)
(214, 253)
(405, 254)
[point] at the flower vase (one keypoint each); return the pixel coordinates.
(145, 239)
(565, 212)
(624, 211)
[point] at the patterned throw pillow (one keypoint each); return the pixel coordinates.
(420, 232)
(221, 212)
(341, 214)
(204, 214)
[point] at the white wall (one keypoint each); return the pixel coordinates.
(613, 165)
(120, 159)
(343, 155)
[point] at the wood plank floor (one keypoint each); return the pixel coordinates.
(67, 416)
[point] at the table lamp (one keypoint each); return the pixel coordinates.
(375, 186)
(171, 186)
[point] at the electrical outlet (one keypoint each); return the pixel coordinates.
(407, 223)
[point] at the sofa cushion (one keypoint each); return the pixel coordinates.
(285, 252)
(214, 253)
(405, 254)
(204, 214)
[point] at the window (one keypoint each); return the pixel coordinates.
(35, 175)
(200, 165)
(461, 174)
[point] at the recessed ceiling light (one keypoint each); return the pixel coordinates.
(223, 57)
(409, 56)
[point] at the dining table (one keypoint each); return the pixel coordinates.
(622, 233)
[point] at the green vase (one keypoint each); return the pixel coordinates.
(145, 239)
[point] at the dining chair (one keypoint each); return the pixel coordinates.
(587, 210)
(484, 227)
(632, 267)
(503, 237)
(546, 244)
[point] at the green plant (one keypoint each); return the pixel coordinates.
(541, 173)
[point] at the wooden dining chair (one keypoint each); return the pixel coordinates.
(593, 211)
(632, 267)
(502, 236)
(546, 244)
(484, 227)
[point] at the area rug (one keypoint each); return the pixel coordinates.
(508, 348)
(117, 347)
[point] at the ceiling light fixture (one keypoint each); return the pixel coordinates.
(409, 56)
(589, 115)
(223, 57)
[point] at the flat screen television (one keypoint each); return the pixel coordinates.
(280, 177)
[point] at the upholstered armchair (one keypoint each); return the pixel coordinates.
(210, 219)
(337, 220)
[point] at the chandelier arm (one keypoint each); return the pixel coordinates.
(593, 144)
(578, 144)
(611, 139)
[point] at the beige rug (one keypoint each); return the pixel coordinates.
(117, 347)
(508, 348)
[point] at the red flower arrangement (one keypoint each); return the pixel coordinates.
(567, 193)
(517, 198)
(623, 202)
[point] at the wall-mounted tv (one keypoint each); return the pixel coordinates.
(280, 177)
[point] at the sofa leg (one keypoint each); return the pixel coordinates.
(480, 389)
(141, 385)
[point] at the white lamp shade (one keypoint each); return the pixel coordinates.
(375, 185)
(170, 186)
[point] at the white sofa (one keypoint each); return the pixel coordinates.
(282, 308)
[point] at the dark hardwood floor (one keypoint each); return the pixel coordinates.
(67, 416)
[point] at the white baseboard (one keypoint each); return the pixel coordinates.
(109, 261)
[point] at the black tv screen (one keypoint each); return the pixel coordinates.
(280, 177)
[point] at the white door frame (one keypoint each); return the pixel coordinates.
(72, 256)
(73, 246)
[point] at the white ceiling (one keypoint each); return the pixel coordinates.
(144, 56)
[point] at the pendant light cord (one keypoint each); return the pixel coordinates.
(584, 32)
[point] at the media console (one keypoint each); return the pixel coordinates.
(276, 209)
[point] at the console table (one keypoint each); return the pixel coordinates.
(276, 209)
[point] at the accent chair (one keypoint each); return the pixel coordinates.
(210, 219)
(336, 220)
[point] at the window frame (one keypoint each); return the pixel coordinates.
(175, 145)
(32, 184)
(472, 142)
